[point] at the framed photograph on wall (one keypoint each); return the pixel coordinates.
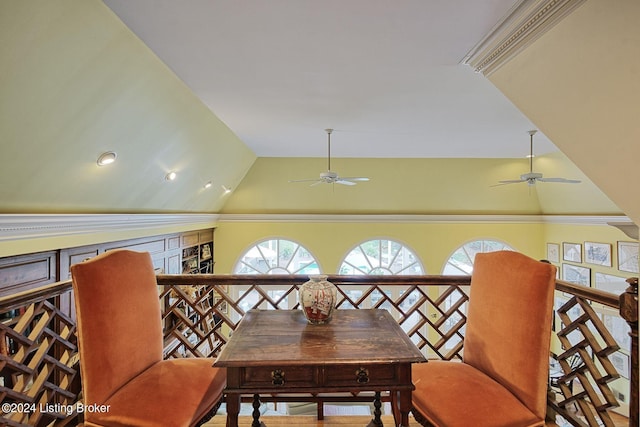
(621, 362)
(610, 283)
(553, 252)
(576, 274)
(597, 253)
(572, 252)
(618, 327)
(628, 256)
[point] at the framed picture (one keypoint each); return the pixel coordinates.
(610, 283)
(553, 252)
(621, 362)
(628, 256)
(572, 252)
(597, 253)
(618, 327)
(576, 274)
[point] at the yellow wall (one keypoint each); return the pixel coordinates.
(416, 186)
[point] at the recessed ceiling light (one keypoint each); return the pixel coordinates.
(171, 176)
(107, 158)
(208, 185)
(225, 189)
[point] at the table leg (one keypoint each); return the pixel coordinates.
(233, 409)
(404, 406)
(376, 421)
(256, 412)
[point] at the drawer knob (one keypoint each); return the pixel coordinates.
(362, 376)
(277, 377)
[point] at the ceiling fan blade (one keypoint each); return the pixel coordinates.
(355, 178)
(305, 180)
(562, 180)
(509, 181)
(512, 181)
(344, 181)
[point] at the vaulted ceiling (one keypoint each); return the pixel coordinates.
(388, 76)
(239, 94)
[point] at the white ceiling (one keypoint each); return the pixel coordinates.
(386, 75)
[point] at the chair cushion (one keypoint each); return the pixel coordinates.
(454, 394)
(174, 392)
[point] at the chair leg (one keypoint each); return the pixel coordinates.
(207, 417)
(420, 419)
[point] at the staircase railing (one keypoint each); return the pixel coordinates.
(39, 363)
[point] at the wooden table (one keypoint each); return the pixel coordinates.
(277, 351)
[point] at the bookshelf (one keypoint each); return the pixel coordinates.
(197, 252)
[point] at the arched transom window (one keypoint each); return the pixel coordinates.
(277, 256)
(461, 261)
(381, 257)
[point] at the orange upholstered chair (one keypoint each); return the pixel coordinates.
(502, 380)
(124, 377)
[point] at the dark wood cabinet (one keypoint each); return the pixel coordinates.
(170, 253)
(23, 272)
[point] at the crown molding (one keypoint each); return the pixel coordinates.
(430, 219)
(523, 24)
(36, 226)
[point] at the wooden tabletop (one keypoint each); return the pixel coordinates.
(265, 337)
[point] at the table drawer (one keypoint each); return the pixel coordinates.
(361, 375)
(274, 377)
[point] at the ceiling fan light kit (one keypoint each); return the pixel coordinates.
(532, 177)
(329, 176)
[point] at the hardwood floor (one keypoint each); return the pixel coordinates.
(336, 421)
(307, 420)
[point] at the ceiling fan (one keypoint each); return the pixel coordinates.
(329, 176)
(532, 177)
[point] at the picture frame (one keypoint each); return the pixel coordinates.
(628, 256)
(621, 363)
(553, 252)
(576, 274)
(611, 283)
(597, 253)
(572, 252)
(618, 327)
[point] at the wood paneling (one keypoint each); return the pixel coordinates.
(25, 272)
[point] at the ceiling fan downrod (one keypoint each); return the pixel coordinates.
(328, 148)
(531, 133)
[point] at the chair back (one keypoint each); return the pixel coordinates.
(118, 320)
(508, 331)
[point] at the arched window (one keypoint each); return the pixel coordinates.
(272, 256)
(461, 261)
(277, 256)
(381, 257)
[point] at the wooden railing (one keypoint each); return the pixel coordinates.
(39, 364)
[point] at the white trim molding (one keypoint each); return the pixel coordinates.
(524, 23)
(36, 226)
(430, 219)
